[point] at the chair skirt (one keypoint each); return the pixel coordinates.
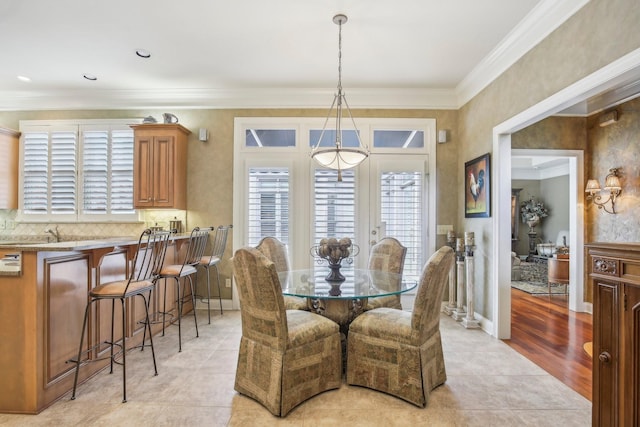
(310, 364)
(386, 360)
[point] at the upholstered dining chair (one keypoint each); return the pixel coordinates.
(400, 352)
(386, 255)
(285, 356)
(145, 270)
(212, 260)
(193, 254)
(276, 251)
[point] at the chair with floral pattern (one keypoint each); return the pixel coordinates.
(285, 356)
(400, 352)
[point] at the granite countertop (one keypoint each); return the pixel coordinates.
(77, 245)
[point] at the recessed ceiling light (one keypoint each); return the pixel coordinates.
(90, 77)
(24, 78)
(143, 53)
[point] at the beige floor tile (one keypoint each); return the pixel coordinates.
(489, 384)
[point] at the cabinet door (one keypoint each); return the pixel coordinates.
(163, 171)
(143, 172)
(605, 354)
(631, 348)
(8, 169)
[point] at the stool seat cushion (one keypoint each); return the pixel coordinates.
(209, 260)
(174, 270)
(116, 289)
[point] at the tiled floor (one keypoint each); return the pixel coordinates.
(489, 384)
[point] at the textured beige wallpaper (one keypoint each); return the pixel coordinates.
(601, 32)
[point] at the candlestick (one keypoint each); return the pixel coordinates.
(451, 236)
(469, 239)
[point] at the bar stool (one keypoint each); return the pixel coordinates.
(145, 269)
(208, 261)
(196, 245)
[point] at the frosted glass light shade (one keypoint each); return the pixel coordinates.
(339, 158)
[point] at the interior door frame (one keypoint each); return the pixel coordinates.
(598, 82)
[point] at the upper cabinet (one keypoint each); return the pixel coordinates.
(160, 166)
(9, 168)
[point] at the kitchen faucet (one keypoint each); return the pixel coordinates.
(55, 234)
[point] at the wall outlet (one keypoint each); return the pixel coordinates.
(443, 229)
(227, 283)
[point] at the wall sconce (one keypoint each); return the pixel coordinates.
(611, 184)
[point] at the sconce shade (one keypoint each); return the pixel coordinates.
(612, 183)
(593, 186)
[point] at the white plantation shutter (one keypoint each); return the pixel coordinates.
(63, 167)
(77, 172)
(268, 207)
(95, 165)
(334, 204)
(36, 172)
(401, 211)
(122, 171)
(107, 171)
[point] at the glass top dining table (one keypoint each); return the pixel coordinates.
(358, 283)
(342, 301)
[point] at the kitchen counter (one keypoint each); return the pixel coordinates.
(12, 267)
(76, 245)
(44, 305)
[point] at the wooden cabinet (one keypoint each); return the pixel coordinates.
(614, 273)
(9, 168)
(160, 166)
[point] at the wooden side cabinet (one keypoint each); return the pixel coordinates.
(9, 140)
(614, 273)
(160, 166)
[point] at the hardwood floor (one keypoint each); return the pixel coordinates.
(547, 333)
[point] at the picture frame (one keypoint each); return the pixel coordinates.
(477, 187)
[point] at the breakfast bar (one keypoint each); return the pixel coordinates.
(43, 294)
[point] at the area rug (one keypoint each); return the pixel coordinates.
(537, 288)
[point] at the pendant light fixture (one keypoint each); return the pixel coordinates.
(339, 157)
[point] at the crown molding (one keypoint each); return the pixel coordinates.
(537, 25)
(226, 98)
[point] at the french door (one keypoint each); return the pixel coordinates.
(397, 205)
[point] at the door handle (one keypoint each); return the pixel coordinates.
(605, 357)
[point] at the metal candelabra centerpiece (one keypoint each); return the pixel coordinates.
(333, 252)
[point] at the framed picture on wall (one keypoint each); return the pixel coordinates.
(477, 186)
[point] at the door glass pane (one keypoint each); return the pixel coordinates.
(268, 204)
(401, 213)
(334, 205)
(398, 138)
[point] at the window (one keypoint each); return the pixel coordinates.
(77, 172)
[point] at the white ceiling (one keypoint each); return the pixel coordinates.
(248, 53)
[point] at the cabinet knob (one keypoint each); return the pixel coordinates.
(605, 357)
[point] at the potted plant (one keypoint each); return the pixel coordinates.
(531, 213)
